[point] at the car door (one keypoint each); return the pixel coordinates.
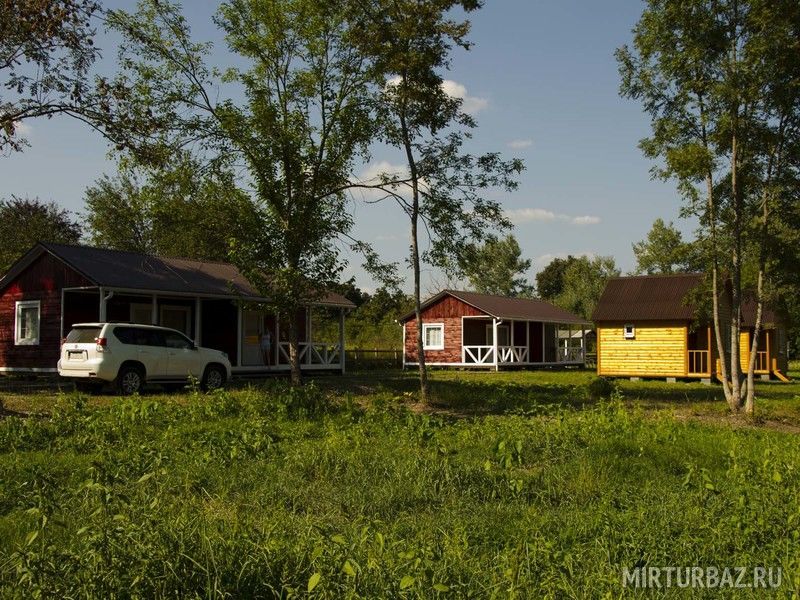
(182, 358)
(151, 351)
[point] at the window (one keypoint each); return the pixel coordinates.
(141, 313)
(137, 336)
(629, 332)
(503, 335)
(176, 340)
(433, 336)
(83, 335)
(26, 323)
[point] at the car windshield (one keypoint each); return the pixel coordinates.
(83, 335)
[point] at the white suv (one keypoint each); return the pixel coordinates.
(130, 355)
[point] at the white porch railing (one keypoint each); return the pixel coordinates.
(316, 353)
(570, 355)
(484, 355)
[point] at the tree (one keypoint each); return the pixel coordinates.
(550, 280)
(46, 50)
(720, 83)
(409, 43)
(664, 251)
(497, 267)
(179, 211)
(302, 122)
(23, 222)
(583, 284)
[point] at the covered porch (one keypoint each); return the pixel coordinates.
(234, 325)
(493, 342)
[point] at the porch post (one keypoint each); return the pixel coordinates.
(197, 337)
(528, 340)
(569, 340)
(308, 335)
(404, 345)
(544, 354)
(154, 310)
(512, 339)
(341, 339)
(494, 341)
(238, 335)
(583, 345)
(277, 340)
(102, 310)
(61, 329)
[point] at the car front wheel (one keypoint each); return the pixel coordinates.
(130, 381)
(213, 378)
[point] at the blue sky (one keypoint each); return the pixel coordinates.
(542, 82)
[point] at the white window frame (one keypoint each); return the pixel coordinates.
(425, 328)
(18, 307)
(629, 335)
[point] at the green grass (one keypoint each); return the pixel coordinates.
(511, 485)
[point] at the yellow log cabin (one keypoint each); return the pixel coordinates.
(648, 327)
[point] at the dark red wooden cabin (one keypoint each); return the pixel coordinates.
(55, 285)
(468, 329)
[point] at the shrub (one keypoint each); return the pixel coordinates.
(601, 388)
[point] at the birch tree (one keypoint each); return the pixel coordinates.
(409, 43)
(719, 84)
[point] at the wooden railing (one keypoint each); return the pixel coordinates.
(762, 362)
(699, 362)
(316, 354)
(480, 355)
(570, 355)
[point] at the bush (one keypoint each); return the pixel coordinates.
(601, 388)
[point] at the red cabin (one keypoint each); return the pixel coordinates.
(55, 285)
(467, 329)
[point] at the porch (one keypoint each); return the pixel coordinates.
(701, 355)
(235, 326)
(492, 342)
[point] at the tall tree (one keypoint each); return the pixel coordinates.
(23, 222)
(46, 50)
(497, 267)
(550, 280)
(302, 122)
(719, 81)
(584, 281)
(178, 211)
(410, 43)
(664, 251)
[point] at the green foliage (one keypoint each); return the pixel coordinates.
(583, 284)
(664, 251)
(176, 211)
(601, 387)
(497, 267)
(274, 492)
(550, 280)
(46, 51)
(23, 222)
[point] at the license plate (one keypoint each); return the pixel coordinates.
(76, 354)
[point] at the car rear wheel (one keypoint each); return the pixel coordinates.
(130, 381)
(213, 378)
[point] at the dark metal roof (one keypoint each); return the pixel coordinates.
(134, 271)
(503, 307)
(647, 298)
(661, 298)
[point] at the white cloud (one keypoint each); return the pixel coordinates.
(530, 215)
(470, 104)
(373, 172)
(540, 262)
(520, 144)
(22, 129)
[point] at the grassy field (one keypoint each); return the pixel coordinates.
(508, 485)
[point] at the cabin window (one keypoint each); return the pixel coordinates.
(26, 323)
(433, 336)
(630, 332)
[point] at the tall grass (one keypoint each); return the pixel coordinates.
(272, 492)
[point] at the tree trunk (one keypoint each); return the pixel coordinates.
(424, 387)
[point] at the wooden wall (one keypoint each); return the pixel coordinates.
(43, 281)
(658, 350)
(448, 311)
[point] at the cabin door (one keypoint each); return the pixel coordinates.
(251, 338)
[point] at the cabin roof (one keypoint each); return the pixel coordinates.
(503, 307)
(136, 271)
(660, 298)
(647, 298)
